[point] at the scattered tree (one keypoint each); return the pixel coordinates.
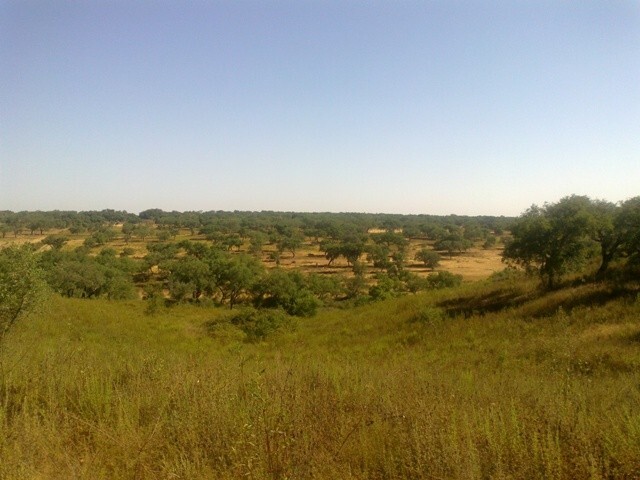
(22, 286)
(430, 258)
(551, 240)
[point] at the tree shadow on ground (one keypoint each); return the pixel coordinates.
(490, 302)
(550, 304)
(537, 303)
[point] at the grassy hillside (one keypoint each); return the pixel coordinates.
(491, 380)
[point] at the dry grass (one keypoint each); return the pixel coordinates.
(393, 390)
(474, 264)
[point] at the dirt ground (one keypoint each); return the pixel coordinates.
(474, 264)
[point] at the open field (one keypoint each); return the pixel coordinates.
(474, 264)
(490, 380)
(202, 345)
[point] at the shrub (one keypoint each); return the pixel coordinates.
(258, 324)
(443, 280)
(428, 315)
(286, 290)
(21, 286)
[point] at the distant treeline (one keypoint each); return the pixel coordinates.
(311, 224)
(220, 257)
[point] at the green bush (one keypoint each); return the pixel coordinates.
(428, 315)
(21, 285)
(443, 280)
(259, 324)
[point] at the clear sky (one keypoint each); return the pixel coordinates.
(430, 106)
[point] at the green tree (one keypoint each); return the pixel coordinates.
(22, 286)
(164, 235)
(390, 239)
(290, 242)
(80, 275)
(55, 241)
(286, 290)
(627, 224)
(128, 230)
(352, 251)
(142, 231)
(235, 275)
(325, 287)
(604, 232)
(430, 258)
(232, 241)
(331, 250)
(256, 243)
(386, 286)
(379, 255)
(189, 278)
(453, 243)
(551, 240)
(490, 242)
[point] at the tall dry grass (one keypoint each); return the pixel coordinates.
(410, 388)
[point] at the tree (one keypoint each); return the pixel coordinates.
(231, 241)
(604, 233)
(256, 243)
(22, 286)
(76, 274)
(490, 242)
(189, 277)
(331, 251)
(325, 287)
(275, 257)
(430, 258)
(286, 290)
(235, 275)
(627, 224)
(386, 286)
(127, 231)
(379, 256)
(163, 235)
(390, 239)
(351, 251)
(55, 241)
(452, 243)
(142, 231)
(290, 242)
(551, 240)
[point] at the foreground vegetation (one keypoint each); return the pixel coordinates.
(236, 365)
(490, 380)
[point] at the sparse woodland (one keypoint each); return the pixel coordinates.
(271, 345)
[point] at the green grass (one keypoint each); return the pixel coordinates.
(492, 380)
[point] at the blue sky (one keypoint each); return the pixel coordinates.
(442, 106)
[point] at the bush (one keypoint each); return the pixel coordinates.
(259, 324)
(286, 290)
(21, 286)
(386, 287)
(443, 280)
(429, 316)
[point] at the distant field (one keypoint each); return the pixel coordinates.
(474, 264)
